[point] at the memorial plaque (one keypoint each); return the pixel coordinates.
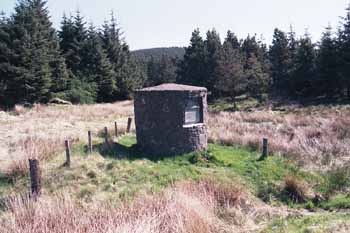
(170, 119)
(193, 112)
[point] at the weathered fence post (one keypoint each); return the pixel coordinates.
(116, 129)
(35, 177)
(265, 148)
(67, 163)
(89, 142)
(129, 125)
(106, 135)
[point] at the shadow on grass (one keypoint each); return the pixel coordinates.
(5, 180)
(116, 150)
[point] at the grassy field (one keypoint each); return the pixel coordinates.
(227, 188)
(335, 222)
(41, 131)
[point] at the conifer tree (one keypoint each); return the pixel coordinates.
(250, 47)
(152, 67)
(167, 69)
(38, 59)
(6, 55)
(344, 41)
(303, 77)
(67, 35)
(233, 40)
(192, 69)
(97, 68)
(213, 50)
(128, 75)
(113, 43)
(292, 42)
(329, 81)
(280, 59)
(256, 65)
(257, 78)
(231, 78)
(162, 71)
(73, 35)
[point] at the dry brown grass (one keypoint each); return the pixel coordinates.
(296, 190)
(29, 147)
(40, 132)
(318, 138)
(185, 208)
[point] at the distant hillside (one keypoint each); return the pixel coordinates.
(157, 53)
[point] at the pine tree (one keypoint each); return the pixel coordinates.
(128, 75)
(97, 68)
(344, 41)
(257, 78)
(303, 79)
(213, 49)
(233, 40)
(73, 35)
(66, 35)
(292, 42)
(167, 71)
(113, 43)
(129, 78)
(152, 72)
(6, 55)
(37, 53)
(192, 69)
(256, 66)
(250, 47)
(329, 81)
(280, 59)
(231, 78)
(162, 71)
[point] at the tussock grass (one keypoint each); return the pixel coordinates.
(40, 131)
(319, 222)
(297, 190)
(121, 189)
(317, 139)
(185, 207)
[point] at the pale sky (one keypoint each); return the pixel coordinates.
(163, 23)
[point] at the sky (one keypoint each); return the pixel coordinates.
(164, 23)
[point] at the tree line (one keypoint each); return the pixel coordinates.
(85, 64)
(79, 62)
(290, 68)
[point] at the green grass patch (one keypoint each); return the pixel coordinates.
(5, 183)
(121, 171)
(242, 103)
(317, 223)
(266, 177)
(340, 201)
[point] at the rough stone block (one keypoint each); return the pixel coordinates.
(160, 118)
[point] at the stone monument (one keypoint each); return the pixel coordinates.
(171, 119)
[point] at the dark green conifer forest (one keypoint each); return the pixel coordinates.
(84, 63)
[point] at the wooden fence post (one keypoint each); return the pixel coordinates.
(129, 125)
(89, 142)
(35, 177)
(265, 148)
(67, 163)
(106, 135)
(116, 129)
